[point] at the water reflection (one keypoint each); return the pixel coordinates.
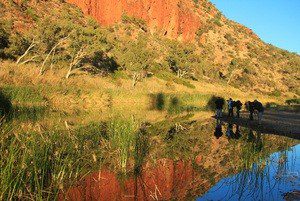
(218, 130)
(179, 162)
(275, 178)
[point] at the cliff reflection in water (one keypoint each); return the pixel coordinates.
(185, 162)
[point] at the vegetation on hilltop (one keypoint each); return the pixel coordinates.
(225, 51)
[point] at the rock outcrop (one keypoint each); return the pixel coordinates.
(173, 18)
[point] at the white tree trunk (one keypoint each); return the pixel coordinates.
(51, 51)
(26, 52)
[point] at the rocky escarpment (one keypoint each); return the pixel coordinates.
(173, 18)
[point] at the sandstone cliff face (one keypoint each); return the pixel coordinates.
(173, 18)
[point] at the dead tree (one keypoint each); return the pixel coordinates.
(136, 77)
(42, 69)
(29, 60)
(31, 46)
(76, 60)
(181, 73)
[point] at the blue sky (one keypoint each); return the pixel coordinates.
(274, 21)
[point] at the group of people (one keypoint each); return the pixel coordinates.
(231, 104)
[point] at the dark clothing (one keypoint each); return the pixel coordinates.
(219, 103)
(238, 133)
(238, 106)
(230, 112)
(258, 106)
(218, 131)
(230, 107)
(229, 132)
(251, 110)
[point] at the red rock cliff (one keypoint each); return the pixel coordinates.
(173, 18)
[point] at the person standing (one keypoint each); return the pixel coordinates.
(219, 107)
(260, 109)
(250, 108)
(238, 105)
(230, 107)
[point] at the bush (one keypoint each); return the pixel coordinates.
(4, 36)
(136, 21)
(295, 101)
(211, 103)
(276, 93)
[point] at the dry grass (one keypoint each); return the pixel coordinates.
(95, 98)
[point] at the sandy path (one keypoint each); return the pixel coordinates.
(274, 122)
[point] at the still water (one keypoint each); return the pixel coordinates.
(199, 161)
(279, 179)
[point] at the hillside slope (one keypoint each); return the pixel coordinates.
(189, 39)
(235, 49)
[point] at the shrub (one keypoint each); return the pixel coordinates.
(276, 93)
(136, 21)
(211, 103)
(4, 40)
(295, 101)
(158, 101)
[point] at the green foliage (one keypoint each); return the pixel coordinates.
(175, 106)
(18, 44)
(141, 149)
(119, 75)
(30, 12)
(294, 101)
(211, 105)
(135, 21)
(135, 55)
(121, 134)
(28, 113)
(37, 165)
(276, 93)
(27, 94)
(170, 77)
(271, 105)
(182, 59)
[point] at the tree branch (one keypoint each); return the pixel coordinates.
(33, 43)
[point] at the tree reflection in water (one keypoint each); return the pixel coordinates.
(185, 160)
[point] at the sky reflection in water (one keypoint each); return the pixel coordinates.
(269, 181)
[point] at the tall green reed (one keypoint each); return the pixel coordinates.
(121, 134)
(39, 165)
